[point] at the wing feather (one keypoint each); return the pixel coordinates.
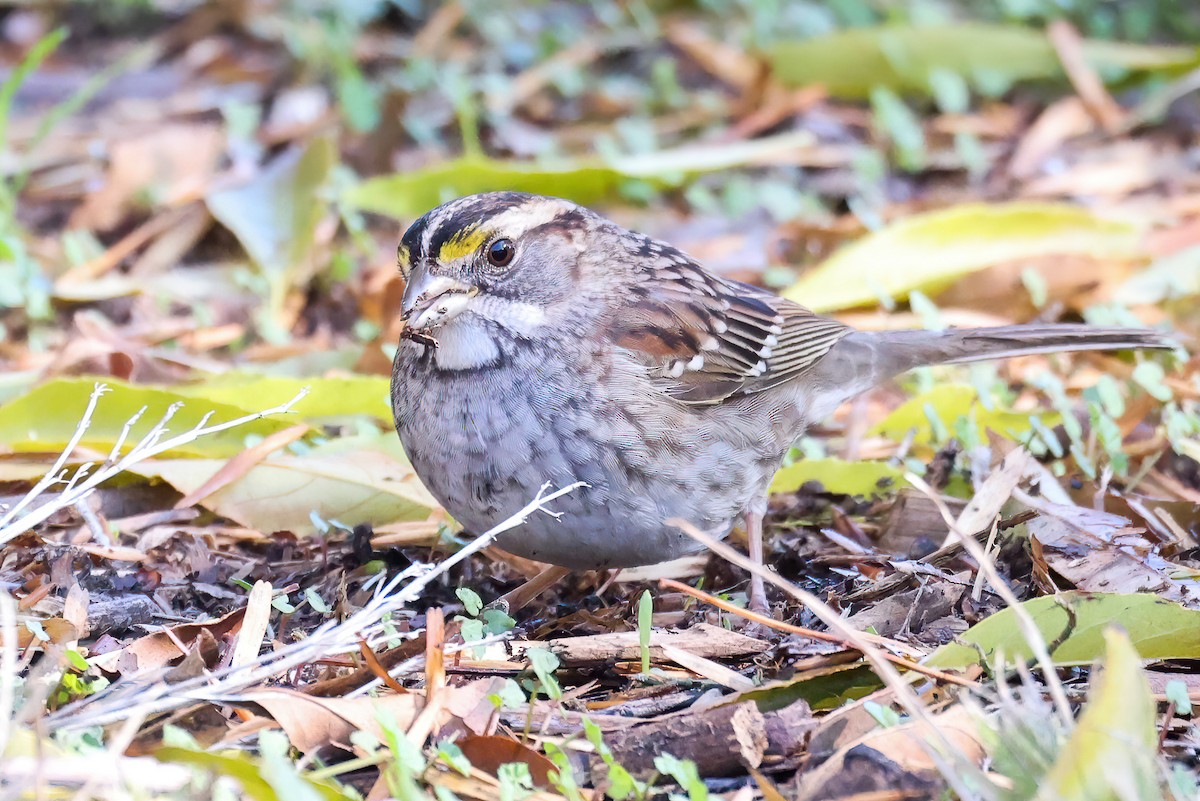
(706, 338)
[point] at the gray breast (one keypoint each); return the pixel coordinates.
(484, 441)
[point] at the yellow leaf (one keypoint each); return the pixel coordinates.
(1111, 754)
(929, 251)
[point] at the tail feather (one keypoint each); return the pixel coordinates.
(864, 359)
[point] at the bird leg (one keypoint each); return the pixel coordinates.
(754, 540)
(518, 598)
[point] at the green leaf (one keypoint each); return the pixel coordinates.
(951, 402)
(587, 181)
(496, 621)
(1159, 630)
(863, 478)
(1177, 692)
(929, 251)
(1111, 755)
(275, 215)
(247, 771)
(544, 663)
(470, 600)
(339, 396)
(46, 417)
(1150, 375)
(822, 688)
(992, 57)
(685, 774)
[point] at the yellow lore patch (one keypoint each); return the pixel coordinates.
(462, 244)
(403, 259)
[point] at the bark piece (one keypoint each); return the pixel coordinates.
(722, 741)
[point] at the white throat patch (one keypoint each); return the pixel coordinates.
(466, 342)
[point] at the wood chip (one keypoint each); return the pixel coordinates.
(703, 640)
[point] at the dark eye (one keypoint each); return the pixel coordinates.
(500, 253)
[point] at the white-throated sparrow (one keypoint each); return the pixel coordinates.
(545, 343)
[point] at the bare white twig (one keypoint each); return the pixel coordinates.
(54, 474)
(82, 484)
(114, 703)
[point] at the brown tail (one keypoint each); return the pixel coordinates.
(866, 358)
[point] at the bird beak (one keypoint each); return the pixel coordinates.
(431, 301)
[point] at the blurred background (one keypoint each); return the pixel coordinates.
(189, 181)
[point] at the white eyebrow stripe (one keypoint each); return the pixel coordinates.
(524, 218)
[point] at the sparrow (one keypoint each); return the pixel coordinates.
(546, 343)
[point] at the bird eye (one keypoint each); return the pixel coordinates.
(501, 252)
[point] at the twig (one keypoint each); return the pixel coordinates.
(54, 474)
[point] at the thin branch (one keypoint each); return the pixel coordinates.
(149, 446)
(54, 474)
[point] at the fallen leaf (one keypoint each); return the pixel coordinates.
(992, 57)
(328, 396)
(311, 722)
(1112, 753)
(275, 215)
(1159, 629)
(928, 251)
(952, 403)
(489, 752)
(863, 478)
(586, 181)
(45, 418)
(1102, 552)
(351, 480)
(158, 649)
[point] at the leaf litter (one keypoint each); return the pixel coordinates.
(258, 610)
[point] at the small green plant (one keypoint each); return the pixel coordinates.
(544, 664)
(645, 617)
(621, 783)
(686, 775)
(480, 622)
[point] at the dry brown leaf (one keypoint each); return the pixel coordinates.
(489, 752)
(1101, 552)
(312, 723)
(157, 649)
(58, 630)
(900, 755)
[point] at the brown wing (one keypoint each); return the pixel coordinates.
(706, 338)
